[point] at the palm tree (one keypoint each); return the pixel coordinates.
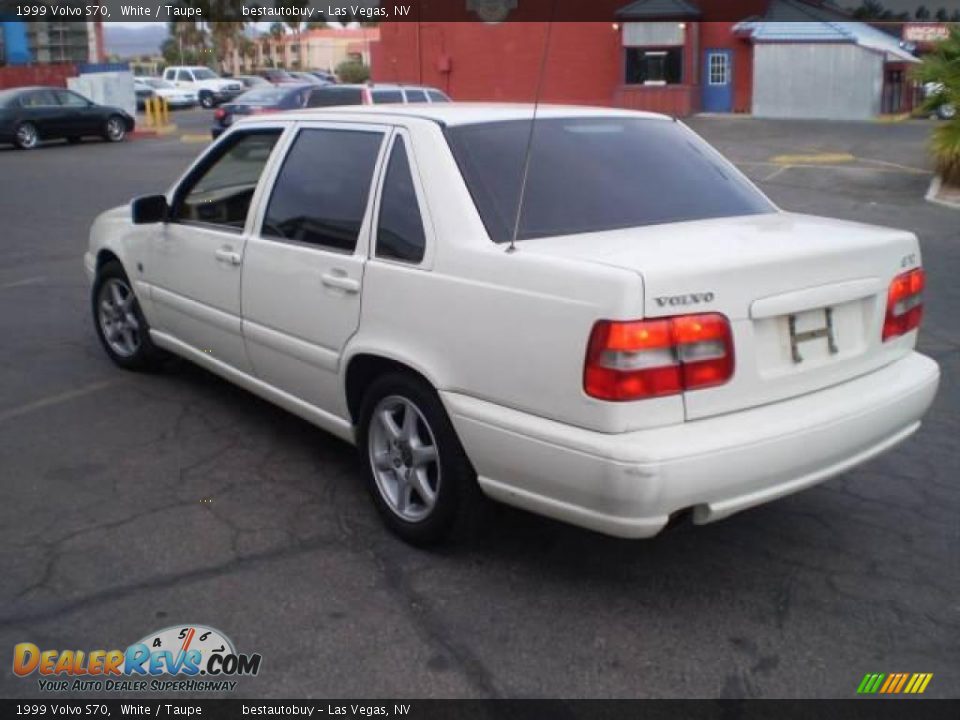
(942, 67)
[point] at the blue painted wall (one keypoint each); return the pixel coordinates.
(15, 45)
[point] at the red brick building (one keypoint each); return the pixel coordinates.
(672, 56)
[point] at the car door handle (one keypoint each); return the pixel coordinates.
(228, 256)
(338, 279)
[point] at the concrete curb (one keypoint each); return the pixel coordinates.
(934, 191)
(152, 132)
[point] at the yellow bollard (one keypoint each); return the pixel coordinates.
(148, 110)
(166, 111)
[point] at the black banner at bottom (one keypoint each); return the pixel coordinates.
(867, 709)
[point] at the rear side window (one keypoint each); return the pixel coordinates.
(321, 194)
(39, 98)
(184, 76)
(415, 95)
(596, 174)
(387, 97)
(400, 233)
(329, 97)
(219, 193)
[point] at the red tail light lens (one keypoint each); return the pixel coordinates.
(651, 358)
(219, 113)
(904, 304)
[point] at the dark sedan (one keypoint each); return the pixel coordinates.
(29, 115)
(260, 100)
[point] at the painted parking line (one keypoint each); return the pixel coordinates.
(57, 399)
(813, 159)
(195, 138)
(23, 283)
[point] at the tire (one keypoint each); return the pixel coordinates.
(114, 129)
(391, 473)
(26, 136)
(207, 100)
(120, 324)
(946, 112)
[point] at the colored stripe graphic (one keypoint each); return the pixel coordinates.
(894, 683)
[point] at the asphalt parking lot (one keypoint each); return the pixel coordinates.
(133, 502)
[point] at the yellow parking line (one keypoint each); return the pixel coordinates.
(815, 159)
(194, 138)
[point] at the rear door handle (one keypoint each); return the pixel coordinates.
(228, 256)
(338, 279)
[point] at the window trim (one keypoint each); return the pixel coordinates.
(269, 181)
(661, 50)
(202, 163)
(426, 262)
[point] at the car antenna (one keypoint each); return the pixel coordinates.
(533, 121)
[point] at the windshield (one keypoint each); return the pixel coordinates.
(158, 83)
(596, 174)
(204, 74)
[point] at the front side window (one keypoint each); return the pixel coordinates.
(321, 193)
(184, 76)
(593, 174)
(220, 192)
(415, 96)
(70, 99)
(400, 233)
(654, 66)
(437, 96)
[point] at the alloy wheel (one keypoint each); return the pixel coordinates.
(27, 136)
(404, 458)
(115, 129)
(118, 318)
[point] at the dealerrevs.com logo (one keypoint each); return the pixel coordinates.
(186, 658)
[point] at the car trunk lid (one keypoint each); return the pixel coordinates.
(805, 296)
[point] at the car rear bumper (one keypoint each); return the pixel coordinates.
(629, 484)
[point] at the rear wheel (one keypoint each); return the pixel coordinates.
(26, 136)
(114, 130)
(207, 100)
(416, 469)
(120, 324)
(946, 112)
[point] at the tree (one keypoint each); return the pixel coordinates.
(941, 15)
(872, 10)
(942, 67)
(922, 13)
(353, 71)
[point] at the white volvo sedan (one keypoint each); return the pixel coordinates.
(601, 320)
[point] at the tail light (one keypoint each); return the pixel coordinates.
(219, 113)
(904, 304)
(651, 358)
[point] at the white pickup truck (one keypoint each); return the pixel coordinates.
(210, 88)
(616, 328)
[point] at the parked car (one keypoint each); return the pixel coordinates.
(269, 98)
(945, 110)
(29, 115)
(175, 97)
(276, 76)
(142, 92)
(252, 81)
(306, 77)
(611, 351)
(343, 94)
(211, 89)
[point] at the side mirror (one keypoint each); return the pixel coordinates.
(149, 209)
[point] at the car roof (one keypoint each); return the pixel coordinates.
(459, 113)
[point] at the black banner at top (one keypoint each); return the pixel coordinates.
(490, 11)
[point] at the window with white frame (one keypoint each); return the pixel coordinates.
(719, 69)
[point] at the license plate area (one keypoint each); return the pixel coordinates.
(801, 342)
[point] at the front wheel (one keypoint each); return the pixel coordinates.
(418, 474)
(120, 323)
(114, 130)
(946, 112)
(207, 100)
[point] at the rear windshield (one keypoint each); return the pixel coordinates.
(384, 97)
(330, 96)
(595, 174)
(262, 95)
